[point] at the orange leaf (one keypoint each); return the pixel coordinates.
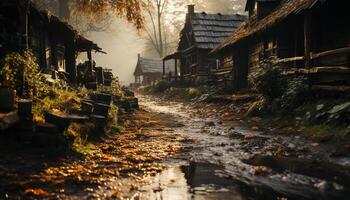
(35, 192)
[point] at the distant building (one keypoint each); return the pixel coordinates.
(202, 32)
(148, 71)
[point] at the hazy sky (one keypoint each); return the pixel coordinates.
(122, 43)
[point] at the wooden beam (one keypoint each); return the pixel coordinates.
(292, 59)
(307, 39)
(176, 70)
(331, 53)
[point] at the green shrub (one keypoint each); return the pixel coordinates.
(268, 81)
(193, 93)
(18, 70)
(295, 93)
(162, 86)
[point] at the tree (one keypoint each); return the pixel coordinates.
(163, 37)
(155, 10)
(95, 11)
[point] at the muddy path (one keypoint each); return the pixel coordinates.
(171, 150)
(230, 160)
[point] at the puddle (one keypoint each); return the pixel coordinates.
(199, 181)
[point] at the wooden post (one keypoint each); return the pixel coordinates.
(163, 68)
(176, 69)
(307, 39)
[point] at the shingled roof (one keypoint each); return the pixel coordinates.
(249, 28)
(211, 29)
(151, 66)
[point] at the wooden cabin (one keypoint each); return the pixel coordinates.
(202, 32)
(54, 42)
(148, 71)
(308, 37)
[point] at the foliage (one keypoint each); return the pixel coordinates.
(267, 80)
(19, 69)
(162, 86)
(77, 135)
(295, 93)
(193, 93)
(96, 10)
(57, 99)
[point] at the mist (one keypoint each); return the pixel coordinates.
(123, 42)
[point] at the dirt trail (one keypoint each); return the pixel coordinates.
(172, 150)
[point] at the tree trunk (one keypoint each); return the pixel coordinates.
(161, 46)
(63, 9)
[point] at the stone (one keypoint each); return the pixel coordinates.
(339, 108)
(323, 185)
(320, 107)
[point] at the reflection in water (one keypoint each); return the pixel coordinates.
(195, 182)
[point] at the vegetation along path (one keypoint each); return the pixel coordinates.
(172, 150)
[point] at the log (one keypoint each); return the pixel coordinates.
(7, 120)
(345, 50)
(331, 88)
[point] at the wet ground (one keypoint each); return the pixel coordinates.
(230, 160)
(181, 151)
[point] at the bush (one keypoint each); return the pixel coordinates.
(22, 69)
(268, 81)
(295, 93)
(162, 86)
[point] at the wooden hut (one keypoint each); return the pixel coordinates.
(309, 37)
(148, 71)
(54, 42)
(202, 32)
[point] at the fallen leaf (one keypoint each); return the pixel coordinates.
(35, 192)
(248, 137)
(261, 170)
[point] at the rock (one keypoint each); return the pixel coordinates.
(323, 185)
(339, 108)
(248, 137)
(211, 124)
(320, 107)
(338, 187)
(291, 146)
(315, 144)
(255, 128)
(261, 170)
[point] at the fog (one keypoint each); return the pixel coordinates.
(123, 42)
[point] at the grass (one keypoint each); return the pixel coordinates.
(323, 133)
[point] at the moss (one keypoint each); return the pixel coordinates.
(323, 133)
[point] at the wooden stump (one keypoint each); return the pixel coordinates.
(91, 85)
(100, 123)
(101, 109)
(25, 107)
(87, 108)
